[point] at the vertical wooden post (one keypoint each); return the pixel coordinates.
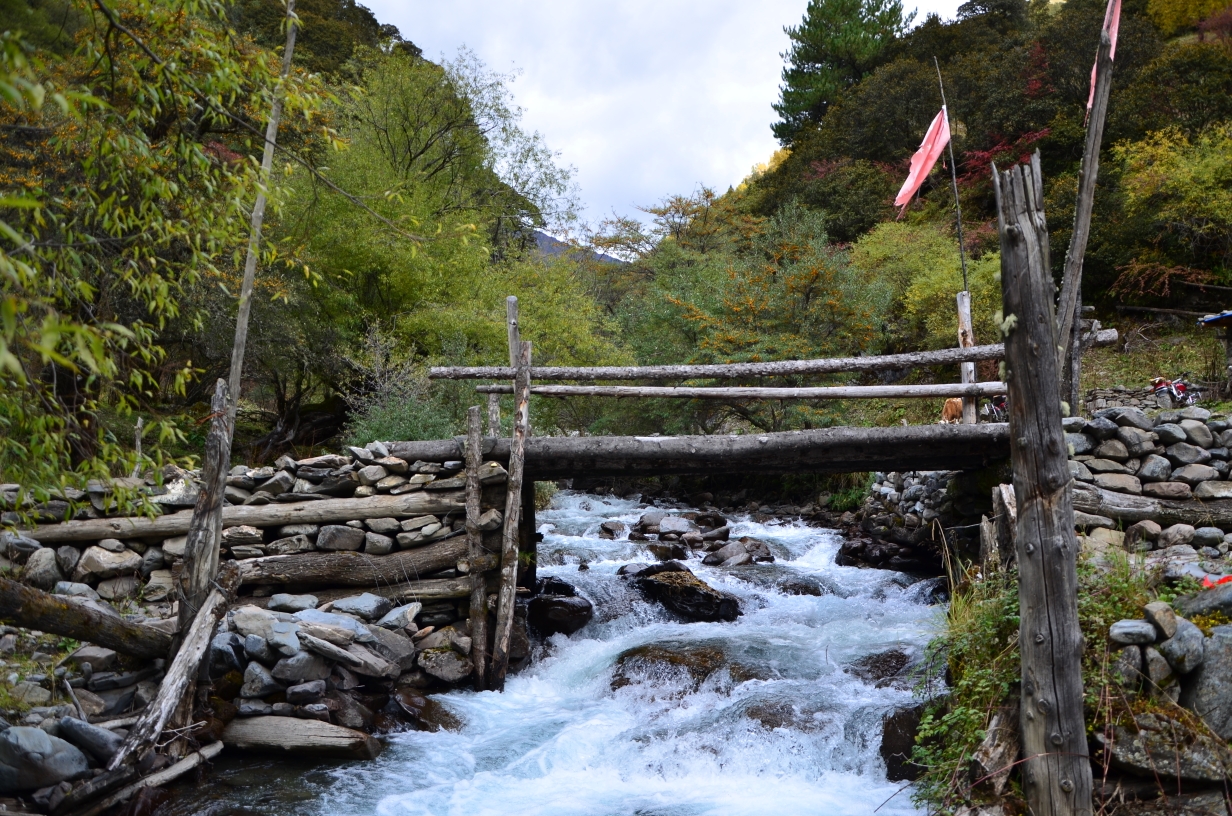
(1057, 771)
(493, 415)
(515, 331)
(1068, 311)
(513, 515)
(205, 528)
(966, 339)
(474, 539)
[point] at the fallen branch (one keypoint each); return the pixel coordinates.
(156, 780)
(32, 608)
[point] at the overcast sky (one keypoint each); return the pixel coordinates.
(645, 98)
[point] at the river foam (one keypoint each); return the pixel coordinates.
(781, 729)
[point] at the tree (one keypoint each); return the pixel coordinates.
(834, 47)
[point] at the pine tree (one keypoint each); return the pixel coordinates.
(835, 46)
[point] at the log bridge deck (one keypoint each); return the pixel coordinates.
(826, 450)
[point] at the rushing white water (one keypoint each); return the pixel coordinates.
(783, 729)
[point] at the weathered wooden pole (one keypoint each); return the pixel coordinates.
(474, 540)
(1056, 771)
(33, 608)
(1069, 312)
(966, 339)
(493, 415)
(513, 517)
(205, 529)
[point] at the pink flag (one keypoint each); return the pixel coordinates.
(922, 162)
(1112, 21)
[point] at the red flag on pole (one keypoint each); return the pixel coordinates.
(1112, 21)
(935, 140)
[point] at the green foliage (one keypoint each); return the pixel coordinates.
(1188, 86)
(330, 30)
(836, 44)
(1174, 15)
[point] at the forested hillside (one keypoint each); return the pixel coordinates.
(407, 196)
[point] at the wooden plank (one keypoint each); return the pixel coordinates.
(353, 569)
(966, 339)
(419, 503)
(474, 540)
(822, 450)
(513, 514)
(311, 738)
(1068, 311)
(831, 365)
(201, 551)
(931, 391)
(181, 674)
(32, 608)
(1056, 771)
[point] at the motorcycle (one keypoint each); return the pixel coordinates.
(996, 409)
(1176, 392)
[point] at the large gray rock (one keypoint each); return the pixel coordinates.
(341, 621)
(377, 544)
(1155, 468)
(729, 550)
(1143, 531)
(445, 664)
(1079, 443)
(301, 668)
(226, 654)
(1177, 491)
(1209, 690)
(1214, 490)
(1162, 615)
(1105, 466)
(1207, 537)
(552, 614)
(339, 537)
(1131, 632)
(1137, 441)
(401, 617)
(366, 605)
(1101, 428)
(30, 759)
(258, 681)
(1197, 433)
(99, 658)
(1113, 449)
(1185, 650)
(1217, 599)
(1164, 682)
(290, 545)
(1126, 667)
(258, 648)
(393, 646)
(1119, 482)
(67, 558)
(1170, 434)
(1080, 471)
(97, 564)
(1131, 418)
(42, 570)
(97, 742)
(1176, 535)
(1162, 747)
(1193, 475)
(1183, 453)
(284, 602)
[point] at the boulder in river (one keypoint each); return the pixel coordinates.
(659, 663)
(300, 737)
(898, 730)
(685, 594)
(552, 614)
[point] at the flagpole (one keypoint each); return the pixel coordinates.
(962, 255)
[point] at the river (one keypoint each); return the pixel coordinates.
(782, 728)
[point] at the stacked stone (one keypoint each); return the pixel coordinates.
(1172, 455)
(143, 568)
(337, 662)
(1119, 396)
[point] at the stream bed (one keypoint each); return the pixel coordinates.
(761, 716)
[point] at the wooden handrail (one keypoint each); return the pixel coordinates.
(937, 390)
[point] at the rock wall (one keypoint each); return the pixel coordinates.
(1119, 396)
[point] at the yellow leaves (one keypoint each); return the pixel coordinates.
(1173, 15)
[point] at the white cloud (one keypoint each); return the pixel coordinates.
(646, 98)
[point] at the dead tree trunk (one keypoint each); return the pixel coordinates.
(205, 530)
(1057, 771)
(32, 608)
(513, 517)
(474, 540)
(1069, 311)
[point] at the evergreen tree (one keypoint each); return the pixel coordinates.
(836, 44)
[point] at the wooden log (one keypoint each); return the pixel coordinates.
(1068, 307)
(493, 415)
(32, 608)
(80, 797)
(205, 529)
(419, 503)
(154, 780)
(512, 524)
(823, 450)
(474, 540)
(1156, 310)
(1123, 507)
(931, 391)
(1056, 771)
(966, 339)
(429, 589)
(831, 365)
(354, 569)
(311, 738)
(181, 674)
